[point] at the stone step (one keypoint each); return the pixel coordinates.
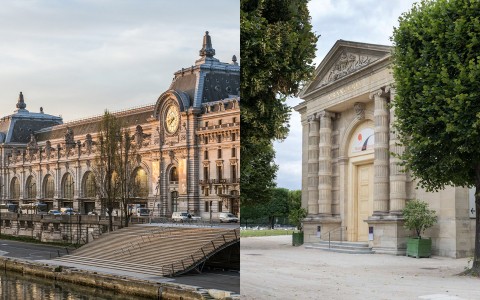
(342, 247)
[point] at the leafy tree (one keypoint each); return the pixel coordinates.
(296, 213)
(278, 47)
(277, 206)
(258, 177)
(437, 75)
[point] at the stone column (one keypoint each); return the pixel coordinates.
(325, 164)
(381, 185)
(398, 178)
(313, 139)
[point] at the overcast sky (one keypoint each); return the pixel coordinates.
(367, 21)
(76, 58)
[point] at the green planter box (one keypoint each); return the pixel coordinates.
(297, 238)
(419, 247)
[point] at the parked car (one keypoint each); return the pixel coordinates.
(180, 216)
(54, 212)
(92, 213)
(227, 218)
(195, 218)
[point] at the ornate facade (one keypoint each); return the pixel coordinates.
(188, 145)
(350, 181)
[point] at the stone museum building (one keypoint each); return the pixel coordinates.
(188, 146)
(351, 184)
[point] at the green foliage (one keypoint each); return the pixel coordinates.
(258, 174)
(296, 212)
(418, 217)
(278, 48)
(437, 72)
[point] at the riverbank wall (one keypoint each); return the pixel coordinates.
(120, 284)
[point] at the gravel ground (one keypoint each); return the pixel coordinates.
(272, 269)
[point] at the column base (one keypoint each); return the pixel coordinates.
(389, 235)
(312, 223)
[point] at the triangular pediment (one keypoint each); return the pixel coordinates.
(345, 58)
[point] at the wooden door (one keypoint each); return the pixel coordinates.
(364, 199)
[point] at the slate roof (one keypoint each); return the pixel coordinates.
(131, 117)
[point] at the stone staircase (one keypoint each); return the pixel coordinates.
(153, 250)
(341, 247)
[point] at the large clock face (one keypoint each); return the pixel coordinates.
(172, 118)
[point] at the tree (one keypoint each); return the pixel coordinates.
(437, 74)
(259, 175)
(277, 206)
(278, 48)
(296, 212)
(106, 163)
(125, 164)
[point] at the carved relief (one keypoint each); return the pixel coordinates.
(347, 64)
(69, 139)
(140, 138)
(359, 110)
(88, 143)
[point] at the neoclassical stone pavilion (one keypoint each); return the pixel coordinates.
(188, 143)
(351, 184)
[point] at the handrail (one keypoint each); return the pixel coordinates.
(188, 263)
(330, 233)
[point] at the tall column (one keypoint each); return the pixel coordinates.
(398, 178)
(313, 138)
(325, 164)
(381, 185)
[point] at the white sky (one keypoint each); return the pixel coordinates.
(76, 58)
(367, 21)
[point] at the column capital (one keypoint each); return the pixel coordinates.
(325, 114)
(377, 93)
(311, 118)
(389, 89)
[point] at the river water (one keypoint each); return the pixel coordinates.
(16, 286)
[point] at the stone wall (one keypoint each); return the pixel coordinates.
(76, 229)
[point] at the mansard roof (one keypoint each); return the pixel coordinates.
(342, 62)
(209, 79)
(80, 128)
(17, 127)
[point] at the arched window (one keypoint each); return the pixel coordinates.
(67, 186)
(31, 188)
(89, 186)
(174, 174)
(15, 188)
(48, 187)
(140, 183)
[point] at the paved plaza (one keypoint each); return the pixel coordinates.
(272, 269)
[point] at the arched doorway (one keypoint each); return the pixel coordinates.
(360, 180)
(89, 188)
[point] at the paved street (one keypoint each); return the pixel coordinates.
(272, 269)
(30, 251)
